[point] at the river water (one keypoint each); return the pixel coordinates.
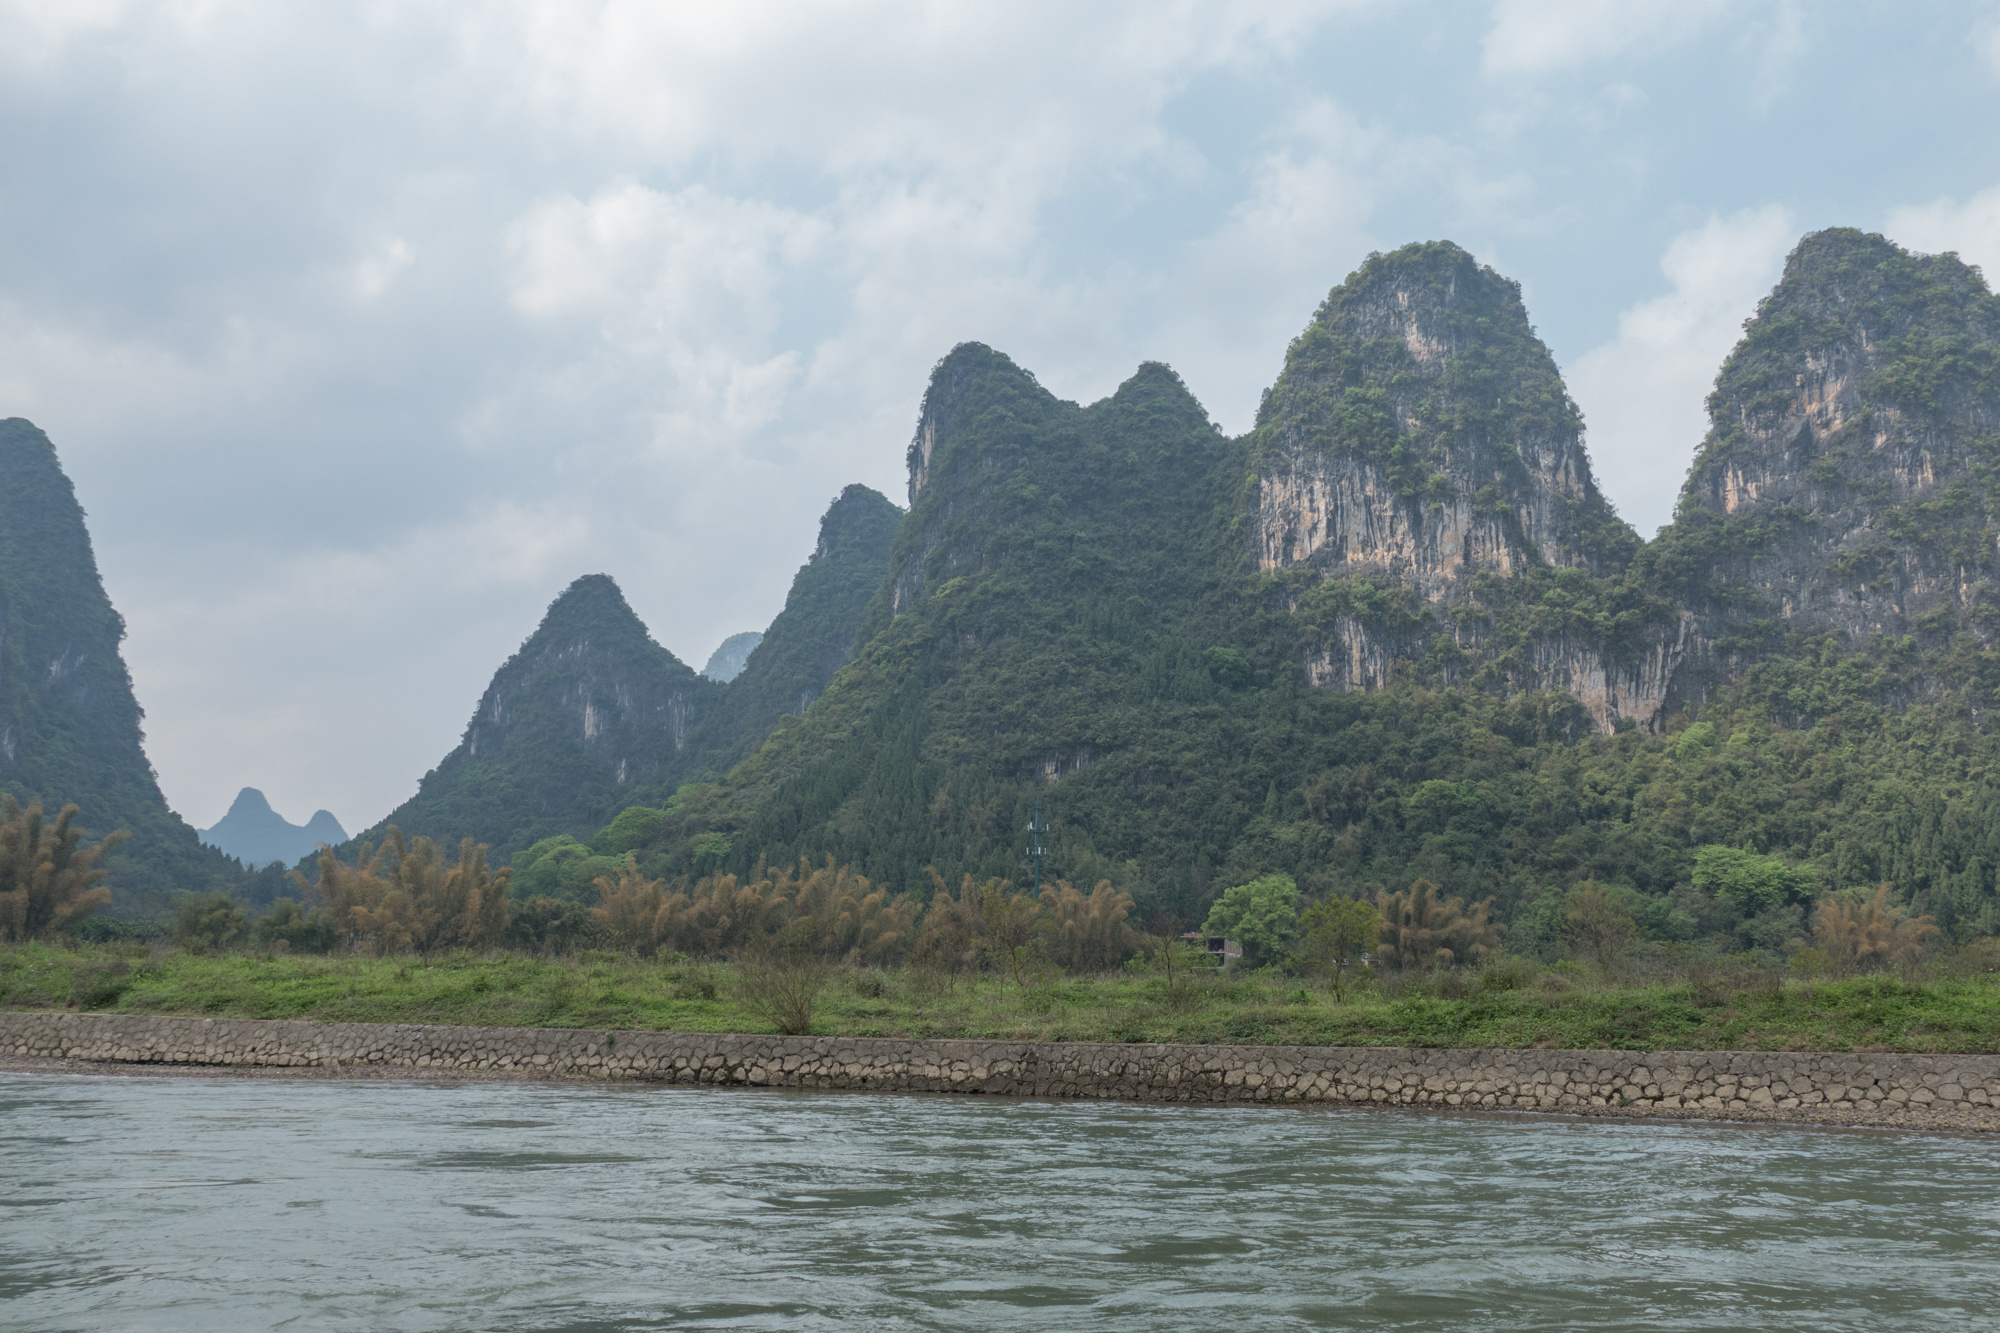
(217, 1203)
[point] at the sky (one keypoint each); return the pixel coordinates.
(364, 329)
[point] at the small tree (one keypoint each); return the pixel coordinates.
(210, 921)
(47, 876)
(1331, 934)
(1596, 924)
(1173, 959)
(1262, 916)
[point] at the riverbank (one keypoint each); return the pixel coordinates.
(1959, 1092)
(1701, 1005)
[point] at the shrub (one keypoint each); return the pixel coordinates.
(48, 878)
(1870, 933)
(1596, 924)
(210, 921)
(1088, 934)
(406, 896)
(289, 926)
(781, 977)
(1420, 930)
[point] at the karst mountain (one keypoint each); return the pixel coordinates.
(1394, 630)
(69, 723)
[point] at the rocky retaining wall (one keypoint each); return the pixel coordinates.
(1930, 1090)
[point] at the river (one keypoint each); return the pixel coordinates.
(220, 1203)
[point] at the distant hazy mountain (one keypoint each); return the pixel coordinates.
(69, 725)
(726, 663)
(256, 835)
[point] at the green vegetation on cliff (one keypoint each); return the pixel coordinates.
(69, 724)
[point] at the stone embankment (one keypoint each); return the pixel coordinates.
(1923, 1091)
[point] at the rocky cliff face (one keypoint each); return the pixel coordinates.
(1420, 441)
(1848, 481)
(1420, 432)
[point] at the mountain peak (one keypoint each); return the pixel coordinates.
(255, 834)
(1860, 395)
(970, 381)
(726, 662)
(250, 801)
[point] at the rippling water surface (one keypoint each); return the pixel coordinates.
(207, 1204)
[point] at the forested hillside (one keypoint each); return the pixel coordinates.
(1395, 632)
(592, 715)
(69, 724)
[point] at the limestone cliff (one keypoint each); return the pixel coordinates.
(1420, 455)
(1848, 480)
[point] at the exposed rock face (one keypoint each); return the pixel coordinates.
(1420, 432)
(1847, 481)
(1420, 439)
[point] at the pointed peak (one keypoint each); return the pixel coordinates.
(324, 827)
(1156, 382)
(971, 378)
(1425, 294)
(591, 602)
(250, 801)
(857, 514)
(726, 662)
(1849, 276)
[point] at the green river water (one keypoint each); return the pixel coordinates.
(221, 1204)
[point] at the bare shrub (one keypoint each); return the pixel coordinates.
(1596, 925)
(781, 977)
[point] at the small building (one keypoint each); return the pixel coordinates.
(1225, 951)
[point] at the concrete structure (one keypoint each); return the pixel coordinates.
(1920, 1091)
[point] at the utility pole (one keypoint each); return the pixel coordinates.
(1036, 828)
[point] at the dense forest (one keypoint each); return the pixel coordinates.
(1089, 606)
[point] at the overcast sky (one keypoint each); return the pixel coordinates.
(363, 329)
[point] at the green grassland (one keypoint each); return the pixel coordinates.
(1696, 1005)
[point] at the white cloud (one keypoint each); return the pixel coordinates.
(1643, 393)
(312, 296)
(1536, 37)
(1971, 228)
